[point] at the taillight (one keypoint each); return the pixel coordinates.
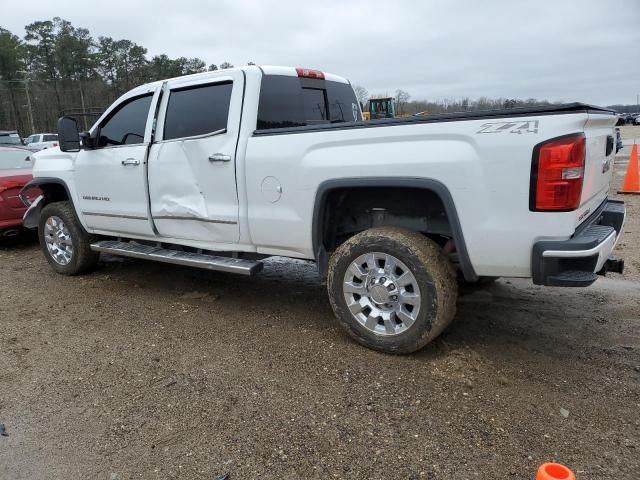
(8, 185)
(308, 73)
(54, 144)
(557, 172)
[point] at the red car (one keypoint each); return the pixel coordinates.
(16, 164)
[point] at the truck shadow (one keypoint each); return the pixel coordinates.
(24, 239)
(502, 320)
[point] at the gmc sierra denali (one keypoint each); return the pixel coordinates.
(219, 170)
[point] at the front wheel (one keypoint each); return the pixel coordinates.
(391, 289)
(66, 245)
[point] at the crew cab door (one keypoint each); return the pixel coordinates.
(192, 163)
(111, 177)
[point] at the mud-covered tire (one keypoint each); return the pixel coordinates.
(81, 259)
(432, 271)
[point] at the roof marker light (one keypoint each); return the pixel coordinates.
(308, 73)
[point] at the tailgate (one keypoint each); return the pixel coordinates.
(599, 158)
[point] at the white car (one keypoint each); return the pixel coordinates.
(221, 169)
(41, 141)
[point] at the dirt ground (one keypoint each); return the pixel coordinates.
(630, 133)
(141, 370)
(629, 245)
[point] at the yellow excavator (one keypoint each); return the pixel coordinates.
(385, 107)
(381, 108)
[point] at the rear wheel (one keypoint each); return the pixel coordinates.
(66, 245)
(391, 289)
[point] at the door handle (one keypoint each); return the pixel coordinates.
(130, 161)
(219, 157)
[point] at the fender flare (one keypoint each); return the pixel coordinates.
(409, 182)
(36, 182)
(32, 215)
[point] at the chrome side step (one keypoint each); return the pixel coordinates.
(158, 254)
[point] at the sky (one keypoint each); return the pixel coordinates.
(558, 50)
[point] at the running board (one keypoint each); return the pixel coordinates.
(159, 254)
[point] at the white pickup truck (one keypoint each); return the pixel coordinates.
(221, 169)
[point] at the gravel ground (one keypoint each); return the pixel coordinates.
(630, 133)
(141, 370)
(629, 245)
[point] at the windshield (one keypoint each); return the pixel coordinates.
(10, 139)
(11, 159)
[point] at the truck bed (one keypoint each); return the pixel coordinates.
(446, 117)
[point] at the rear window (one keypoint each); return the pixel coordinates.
(11, 159)
(50, 138)
(10, 139)
(296, 102)
(314, 101)
(343, 104)
(197, 110)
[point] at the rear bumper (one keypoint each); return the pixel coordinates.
(577, 261)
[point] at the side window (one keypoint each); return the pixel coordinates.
(50, 138)
(197, 110)
(126, 125)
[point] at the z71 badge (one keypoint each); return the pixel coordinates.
(523, 126)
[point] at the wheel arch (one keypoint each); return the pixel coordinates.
(425, 184)
(53, 190)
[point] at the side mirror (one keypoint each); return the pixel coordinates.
(68, 136)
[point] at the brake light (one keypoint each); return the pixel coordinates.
(8, 185)
(308, 73)
(557, 172)
(55, 144)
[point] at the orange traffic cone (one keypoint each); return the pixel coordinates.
(631, 182)
(554, 471)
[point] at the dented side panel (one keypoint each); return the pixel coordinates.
(191, 197)
(192, 180)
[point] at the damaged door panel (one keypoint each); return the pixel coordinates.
(192, 184)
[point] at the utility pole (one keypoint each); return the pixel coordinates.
(26, 89)
(84, 112)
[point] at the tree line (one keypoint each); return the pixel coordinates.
(57, 67)
(630, 108)
(406, 106)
